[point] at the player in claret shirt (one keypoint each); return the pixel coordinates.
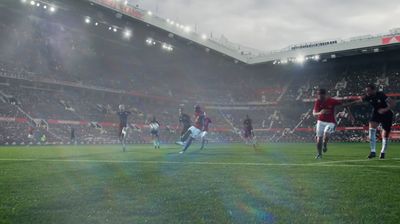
(381, 114)
(324, 111)
(204, 133)
(195, 130)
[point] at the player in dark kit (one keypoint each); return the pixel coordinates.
(72, 132)
(185, 123)
(381, 114)
(248, 131)
(123, 124)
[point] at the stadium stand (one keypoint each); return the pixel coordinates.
(55, 75)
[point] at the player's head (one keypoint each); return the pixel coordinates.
(247, 116)
(121, 107)
(154, 118)
(370, 89)
(321, 94)
(197, 108)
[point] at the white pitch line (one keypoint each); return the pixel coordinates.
(319, 164)
(355, 161)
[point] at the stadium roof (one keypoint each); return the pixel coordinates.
(320, 50)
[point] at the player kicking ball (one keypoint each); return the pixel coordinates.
(324, 111)
(154, 131)
(382, 114)
(195, 130)
(123, 125)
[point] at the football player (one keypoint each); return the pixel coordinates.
(382, 114)
(195, 130)
(123, 125)
(154, 131)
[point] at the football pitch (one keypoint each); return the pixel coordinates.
(278, 183)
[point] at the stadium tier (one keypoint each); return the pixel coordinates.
(73, 69)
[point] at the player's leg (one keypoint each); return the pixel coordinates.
(187, 145)
(203, 139)
(153, 138)
(184, 136)
(158, 139)
(247, 136)
(319, 138)
(124, 133)
(373, 125)
(325, 143)
(386, 129)
(195, 132)
(120, 132)
(253, 139)
(328, 131)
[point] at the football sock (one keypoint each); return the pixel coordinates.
(319, 147)
(186, 135)
(384, 144)
(325, 143)
(188, 143)
(203, 141)
(372, 139)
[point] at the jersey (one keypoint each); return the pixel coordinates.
(329, 104)
(184, 119)
(154, 126)
(123, 118)
(207, 122)
(199, 120)
(248, 124)
(377, 101)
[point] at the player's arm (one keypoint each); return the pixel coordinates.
(390, 104)
(317, 111)
(359, 100)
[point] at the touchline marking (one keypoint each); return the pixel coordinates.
(319, 164)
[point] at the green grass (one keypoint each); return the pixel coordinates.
(279, 183)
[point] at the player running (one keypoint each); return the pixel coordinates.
(123, 125)
(185, 122)
(324, 110)
(381, 114)
(203, 135)
(195, 130)
(248, 131)
(154, 131)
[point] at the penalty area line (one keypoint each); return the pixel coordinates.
(318, 164)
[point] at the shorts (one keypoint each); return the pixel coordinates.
(195, 132)
(248, 133)
(184, 130)
(120, 129)
(386, 120)
(154, 132)
(325, 128)
(203, 134)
